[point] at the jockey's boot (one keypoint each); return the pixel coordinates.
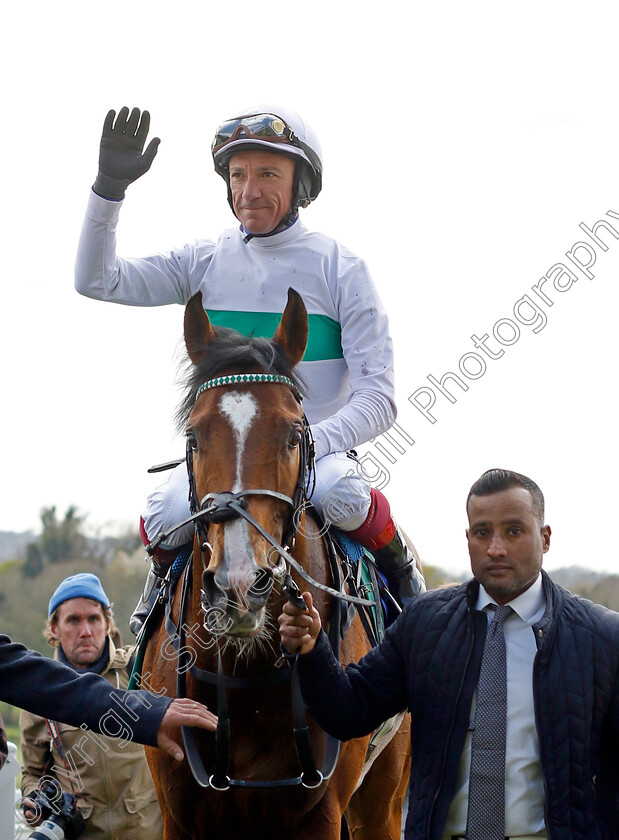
(395, 560)
(154, 579)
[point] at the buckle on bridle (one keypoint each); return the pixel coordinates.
(309, 785)
(218, 785)
(220, 507)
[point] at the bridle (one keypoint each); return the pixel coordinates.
(227, 505)
(222, 507)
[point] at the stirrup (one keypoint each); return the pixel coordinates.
(146, 602)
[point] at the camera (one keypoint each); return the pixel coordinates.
(62, 820)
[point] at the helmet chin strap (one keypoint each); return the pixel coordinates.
(289, 219)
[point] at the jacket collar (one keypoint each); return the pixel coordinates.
(546, 626)
(98, 667)
(553, 595)
(117, 658)
(472, 591)
(273, 240)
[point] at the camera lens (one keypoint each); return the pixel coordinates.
(48, 830)
(68, 824)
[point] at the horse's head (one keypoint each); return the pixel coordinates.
(244, 434)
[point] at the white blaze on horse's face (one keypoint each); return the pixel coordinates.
(240, 409)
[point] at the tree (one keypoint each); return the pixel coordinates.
(59, 542)
(62, 541)
(33, 564)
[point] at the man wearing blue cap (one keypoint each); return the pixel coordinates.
(110, 777)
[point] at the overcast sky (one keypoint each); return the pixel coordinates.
(465, 146)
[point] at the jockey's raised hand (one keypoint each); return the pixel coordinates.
(122, 157)
(299, 629)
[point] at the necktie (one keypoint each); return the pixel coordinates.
(486, 810)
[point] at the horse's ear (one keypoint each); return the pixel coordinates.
(198, 330)
(292, 331)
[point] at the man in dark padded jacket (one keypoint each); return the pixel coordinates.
(548, 767)
(50, 689)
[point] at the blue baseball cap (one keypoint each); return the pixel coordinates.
(83, 585)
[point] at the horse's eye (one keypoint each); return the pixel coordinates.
(295, 437)
(191, 440)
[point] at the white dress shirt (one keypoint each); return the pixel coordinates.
(524, 789)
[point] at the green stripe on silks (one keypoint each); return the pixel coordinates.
(324, 341)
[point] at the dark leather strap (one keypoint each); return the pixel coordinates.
(219, 780)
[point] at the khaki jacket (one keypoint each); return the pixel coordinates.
(115, 791)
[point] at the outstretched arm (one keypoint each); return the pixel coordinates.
(155, 280)
(50, 689)
(347, 702)
(368, 352)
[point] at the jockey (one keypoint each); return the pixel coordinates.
(271, 162)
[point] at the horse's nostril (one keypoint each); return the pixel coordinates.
(263, 581)
(214, 591)
(261, 586)
(222, 593)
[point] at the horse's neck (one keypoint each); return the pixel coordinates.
(310, 550)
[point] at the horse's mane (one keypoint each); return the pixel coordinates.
(232, 353)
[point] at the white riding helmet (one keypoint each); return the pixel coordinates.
(278, 130)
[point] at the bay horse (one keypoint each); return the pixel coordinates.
(248, 458)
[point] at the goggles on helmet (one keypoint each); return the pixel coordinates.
(262, 126)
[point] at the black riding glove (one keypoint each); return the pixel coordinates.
(121, 156)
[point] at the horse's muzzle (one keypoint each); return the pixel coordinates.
(239, 601)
